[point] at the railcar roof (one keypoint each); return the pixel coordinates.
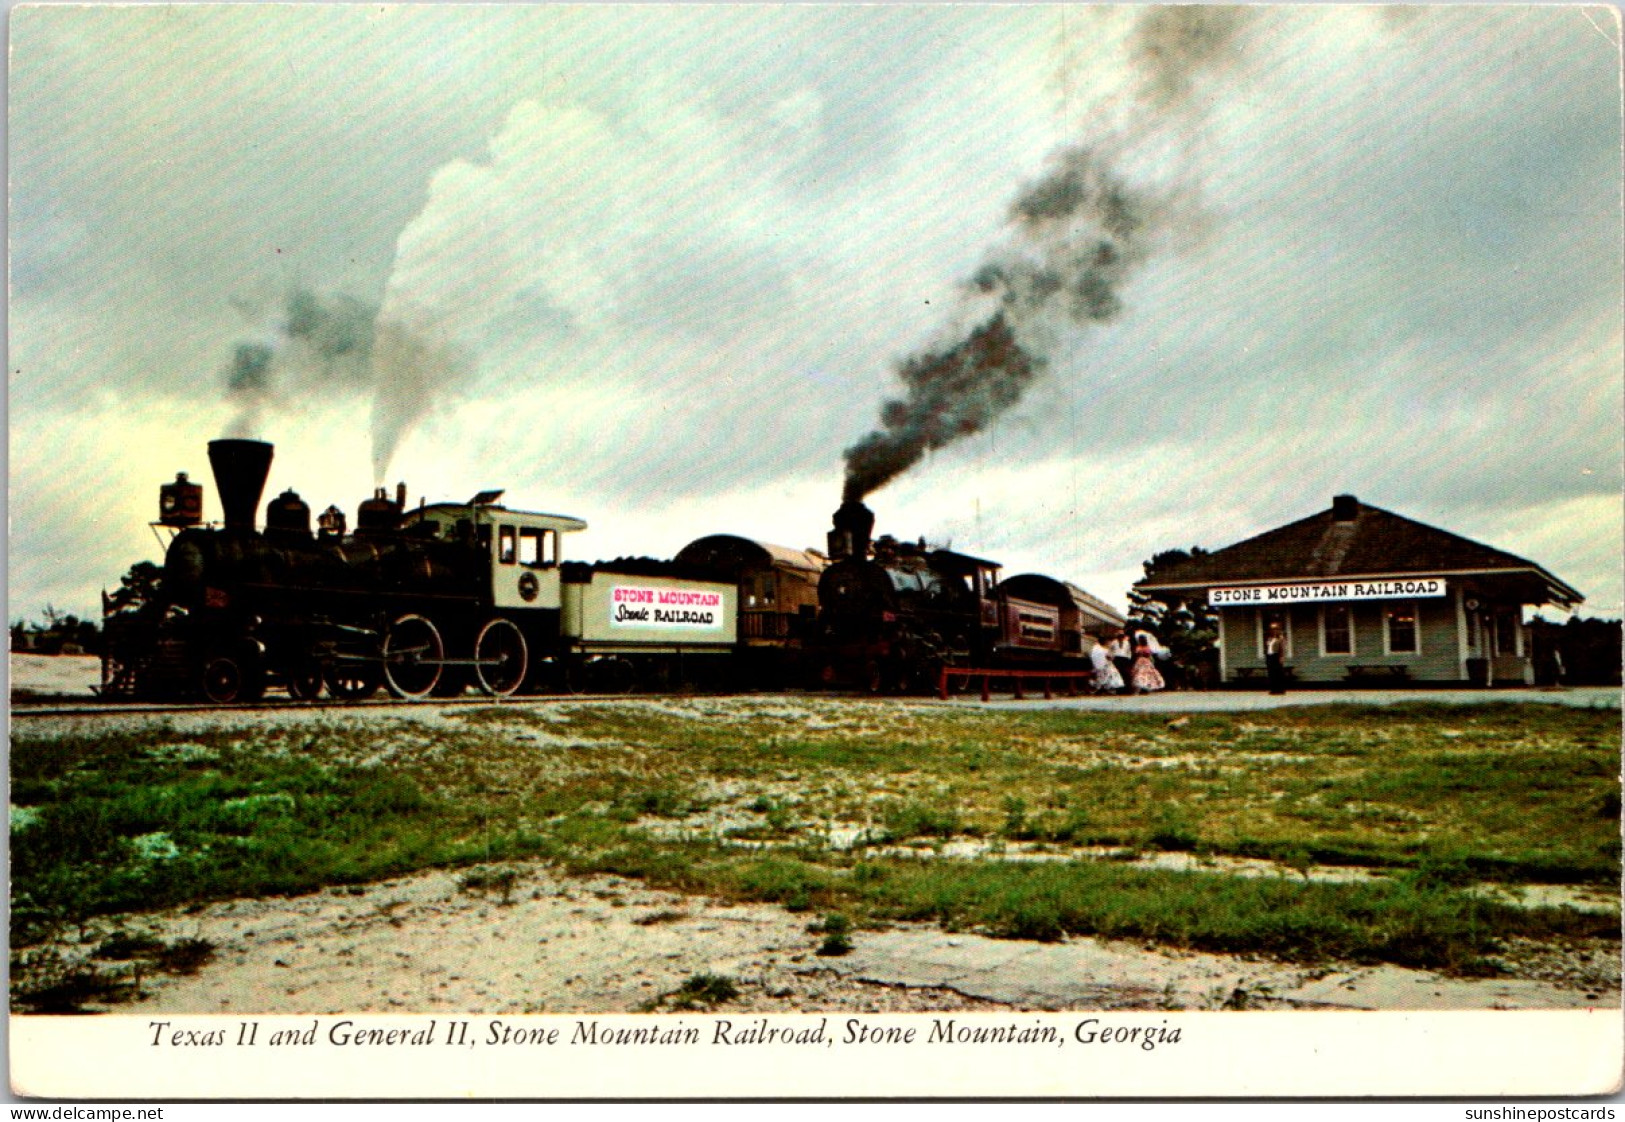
(1045, 589)
(757, 552)
(492, 512)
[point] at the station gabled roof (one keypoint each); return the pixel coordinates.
(1353, 539)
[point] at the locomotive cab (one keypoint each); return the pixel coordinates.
(521, 550)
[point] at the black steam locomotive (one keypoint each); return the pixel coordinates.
(893, 614)
(425, 602)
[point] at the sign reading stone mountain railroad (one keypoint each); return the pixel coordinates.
(1327, 590)
(682, 608)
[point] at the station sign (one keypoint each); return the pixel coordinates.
(1303, 593)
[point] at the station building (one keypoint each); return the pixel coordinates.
(1366, 596)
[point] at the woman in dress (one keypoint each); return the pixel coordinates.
(1107, 677)
(1144, 677)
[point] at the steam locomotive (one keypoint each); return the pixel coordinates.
(430, 601)
(893, 614)
(425, 602)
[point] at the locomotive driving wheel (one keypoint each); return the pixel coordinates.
(414, 657)
(501, 659)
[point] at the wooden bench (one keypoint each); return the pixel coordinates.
(1386, 672)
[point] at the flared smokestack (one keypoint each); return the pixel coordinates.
(240, 469)
(854, 523)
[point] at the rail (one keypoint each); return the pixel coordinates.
(1071, 677)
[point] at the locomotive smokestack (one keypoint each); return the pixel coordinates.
(854, 523)
(240, 468)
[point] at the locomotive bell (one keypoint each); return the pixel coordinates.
(240, 468)
(180, 503)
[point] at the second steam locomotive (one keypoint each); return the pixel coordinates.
(433, 600)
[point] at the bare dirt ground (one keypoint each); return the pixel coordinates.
(423, 944)
(535, 942)
(35, 676)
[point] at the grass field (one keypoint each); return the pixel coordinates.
(849, 809)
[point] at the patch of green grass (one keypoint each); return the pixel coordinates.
(837, 932)
(654, 802)
(699, 992)
(481, 881)
(45, 981)
(914, 819)
(132, 836)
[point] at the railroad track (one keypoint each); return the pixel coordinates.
(22, 709)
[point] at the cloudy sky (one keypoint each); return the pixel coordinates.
(659, 267)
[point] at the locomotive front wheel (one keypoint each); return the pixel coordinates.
(414, 657)
(305, 684)
(501, 658)
(228, 678)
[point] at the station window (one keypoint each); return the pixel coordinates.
(1400, 628)
(538, 548)
(1336, 630)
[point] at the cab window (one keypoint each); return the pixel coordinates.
(507, 544)
(538, 548)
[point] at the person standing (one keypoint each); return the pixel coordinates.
(1275, 658)
(1145, 677)
(1107, 677)
(1122, 656)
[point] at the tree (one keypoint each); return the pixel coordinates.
(1588, 647)
(137, 589)
(1158, 611)
(1189, 629)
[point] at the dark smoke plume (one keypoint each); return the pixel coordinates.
(325, 345)
(951, 394)
(250, 370)
(1177, 44)
(311, 345)
(1079, 234)
(337, 332)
